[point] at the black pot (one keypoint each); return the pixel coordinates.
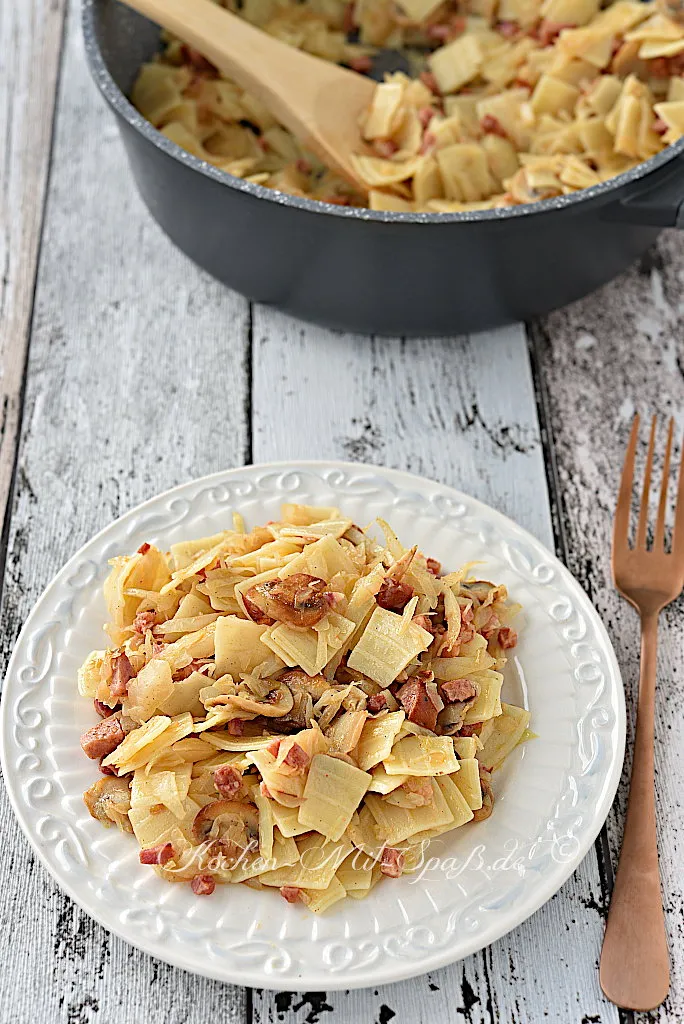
(383, 273)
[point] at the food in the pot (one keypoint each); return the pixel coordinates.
(303, 707)
(512, 101)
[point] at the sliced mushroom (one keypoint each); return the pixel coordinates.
(109, 800)
(487, 797)
(298, 680)
(276, 704)
(298, 718)
(299, 600)
(229, 827)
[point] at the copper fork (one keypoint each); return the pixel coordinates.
(635, 967)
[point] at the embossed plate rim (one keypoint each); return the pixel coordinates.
(389, 962)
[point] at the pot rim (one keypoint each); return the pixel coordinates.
(122, 106)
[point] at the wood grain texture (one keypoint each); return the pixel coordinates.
(30, 44)
(460, 410)
(136, 381)
(142, 374)
(600, 360)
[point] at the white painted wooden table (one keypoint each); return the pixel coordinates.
(125, 370)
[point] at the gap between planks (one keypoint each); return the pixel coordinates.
(462, 411)
(367, 424)
(31, 41)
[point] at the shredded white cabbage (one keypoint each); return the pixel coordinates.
(284, 705)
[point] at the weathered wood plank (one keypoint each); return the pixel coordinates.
(461, 410)
(602, 359)
(137, 380)
(30, 44)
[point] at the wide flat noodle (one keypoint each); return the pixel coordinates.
(286, 753)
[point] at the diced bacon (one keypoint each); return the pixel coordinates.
(659, 126)
(102, 709)
(378, 702)
(429, 80)
(303, 166)
(122, 672)
(273, 748)
(265, 791)
(491, 125)
(227, 780)
(547, 32)
(362, 64)
(160, 854)
(490, 628)
(425, 622)
(296, 757)
(385, 148)
(108, 769)
(144, 548)
(429, 142)
(203, 885)
(433, 566)
(103, 738)
(291, 893)
(442, 33)
(337, 200)
(507, 637)
(508, 29)
(666, 67)
(348, 21)
(421, 791)
(236, 727)
(457, 690)
(144, 621)
(196, 59)
(425, 115)
(394, 596)
(392, 862)
(196, 665)
(470, 730)
(415, 700)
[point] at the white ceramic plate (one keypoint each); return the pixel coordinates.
(552, 796)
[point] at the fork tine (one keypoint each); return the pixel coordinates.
(624, 501)
(646, 490)
(678, 535)
(659, 539)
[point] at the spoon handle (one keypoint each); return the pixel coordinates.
(306, 94)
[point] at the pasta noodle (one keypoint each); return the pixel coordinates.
(513, 102)
(319, 728)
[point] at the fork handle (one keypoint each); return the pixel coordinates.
(635, 968)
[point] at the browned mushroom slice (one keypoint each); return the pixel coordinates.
(298, 600)
(487, 797)
(109, 800)
(276, 703)
(230, 829)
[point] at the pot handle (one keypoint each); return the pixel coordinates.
(660, 204)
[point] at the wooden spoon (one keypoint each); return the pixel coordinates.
(319, 102)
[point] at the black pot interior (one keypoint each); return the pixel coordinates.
(126, 41)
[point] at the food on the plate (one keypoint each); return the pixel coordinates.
(300, 707)
(510, 101)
